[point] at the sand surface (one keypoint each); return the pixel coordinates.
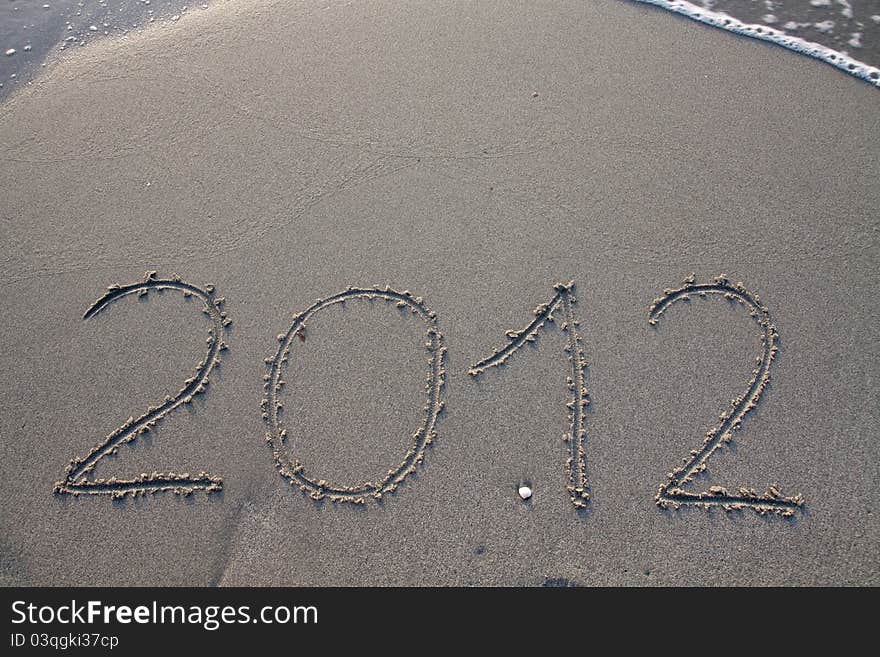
(475, 156)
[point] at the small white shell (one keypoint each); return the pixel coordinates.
(525, 492)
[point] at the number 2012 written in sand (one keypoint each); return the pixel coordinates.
(560, 309)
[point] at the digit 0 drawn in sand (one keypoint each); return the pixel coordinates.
(564, 299)
(276, 435)
(671, 492)
(76, 482)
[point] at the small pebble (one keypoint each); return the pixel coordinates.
(525, 492)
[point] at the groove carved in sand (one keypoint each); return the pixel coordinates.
(562, 301)
(76, 482)
(672, 493)
(276, 435)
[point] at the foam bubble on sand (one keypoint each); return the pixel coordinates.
(765, 33)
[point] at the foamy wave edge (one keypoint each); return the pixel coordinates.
(765, 33)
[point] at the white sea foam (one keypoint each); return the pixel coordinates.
(765, 33)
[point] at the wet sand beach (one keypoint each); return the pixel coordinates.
(469, 157)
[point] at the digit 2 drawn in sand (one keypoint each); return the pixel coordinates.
(671, 492)
(75, 481)
(276, 435)
(576, 437)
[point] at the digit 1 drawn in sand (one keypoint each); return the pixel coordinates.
(671, 492)
(75, 481)
(576, 437)
(276, 435)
